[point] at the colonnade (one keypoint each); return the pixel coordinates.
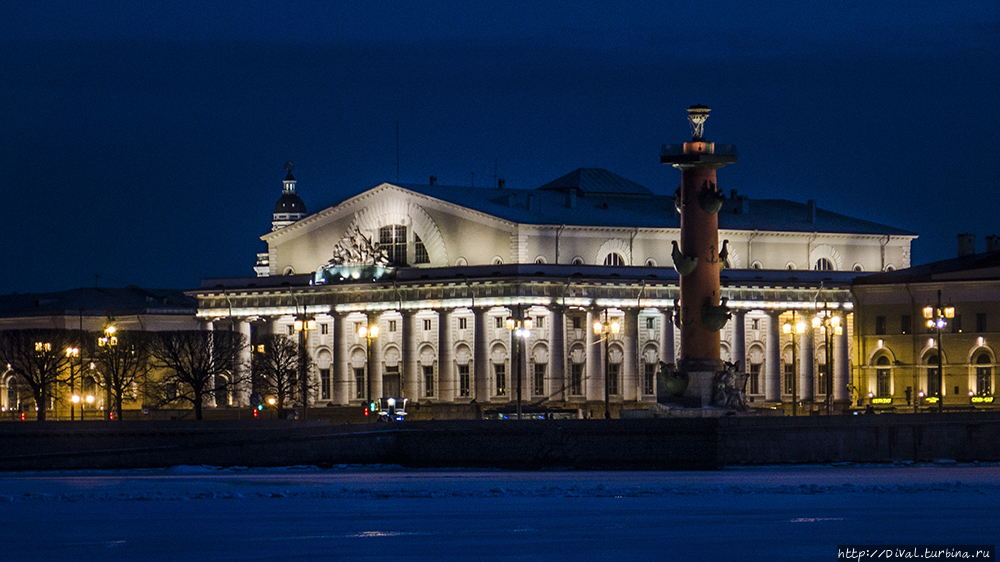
(468, 354)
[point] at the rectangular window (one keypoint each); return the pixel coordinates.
(754, 375)
(539, 379)
(650, 323)
(649, 378)
(392, 325)
(956, 324)
(428, 380)
(932, 382)
(500, 373)
(755, 323)
(905, 326)
(880, 325)
(883, 380)
(821, 378)
(291, 330)
(427, 324)
(324, 382)
(980, 322)
(498, 321)
(984, 381)
(463, 380)
(324, 329)
(789, 378)
(539, 321)
(577, 322)
(463, 323)
(613, 369)
(576, 379)
(359, 382)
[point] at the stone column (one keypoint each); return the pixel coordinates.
(341, 371)
(667, 336)
(739, 348)
(209, 399)
(842, 365)
(557, 354)
(480, 357)
(243, 380)
(630, 368)
(375, 367)
(447, 384)
(772, 359)
(409, 379)
(806, 358)
(595, 364)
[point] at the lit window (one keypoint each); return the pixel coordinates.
(392, 239)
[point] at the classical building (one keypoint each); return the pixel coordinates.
(91, 310)
(440, 269)
(928, 324)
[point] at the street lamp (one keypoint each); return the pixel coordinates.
(798, 328)
(72, 352)
(937, 317)
(829, 322)
(303, 326)
(520, 330)
(368, 332)
(109, 340)
(606, 329)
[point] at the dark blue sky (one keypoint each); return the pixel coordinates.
(145, 143)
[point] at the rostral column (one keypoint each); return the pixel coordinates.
(698, 260)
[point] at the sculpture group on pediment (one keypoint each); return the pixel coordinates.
(358, 249)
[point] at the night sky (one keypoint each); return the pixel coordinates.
(144, 143)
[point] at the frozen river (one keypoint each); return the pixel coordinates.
(350, 513)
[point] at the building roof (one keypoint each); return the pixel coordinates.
(604, 199)
(130, 300)
(289, 203)
(963, 268)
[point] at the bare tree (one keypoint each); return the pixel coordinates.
(38, 357)
(194, 360)
(122, 359)
(277, 369)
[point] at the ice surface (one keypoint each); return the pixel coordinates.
(370, 513)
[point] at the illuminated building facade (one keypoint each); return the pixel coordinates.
(901, 361)
(438, 269)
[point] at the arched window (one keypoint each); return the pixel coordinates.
(858, 267)
(823, 264)
(756, 265)
(883, 377)
(614, 259)
(392, 239)
(497, 260)
(932, 374)
(577, 261)
(984, 375)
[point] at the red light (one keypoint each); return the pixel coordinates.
(255, 412)
(366, 412)
(22, 415)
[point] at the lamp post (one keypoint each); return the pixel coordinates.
(794, 328)
(830, 323)
(605, 330)
(108, 340)
(368, 332)
(520, 330)
(72, 352)
(303, 326)
(937, 317)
